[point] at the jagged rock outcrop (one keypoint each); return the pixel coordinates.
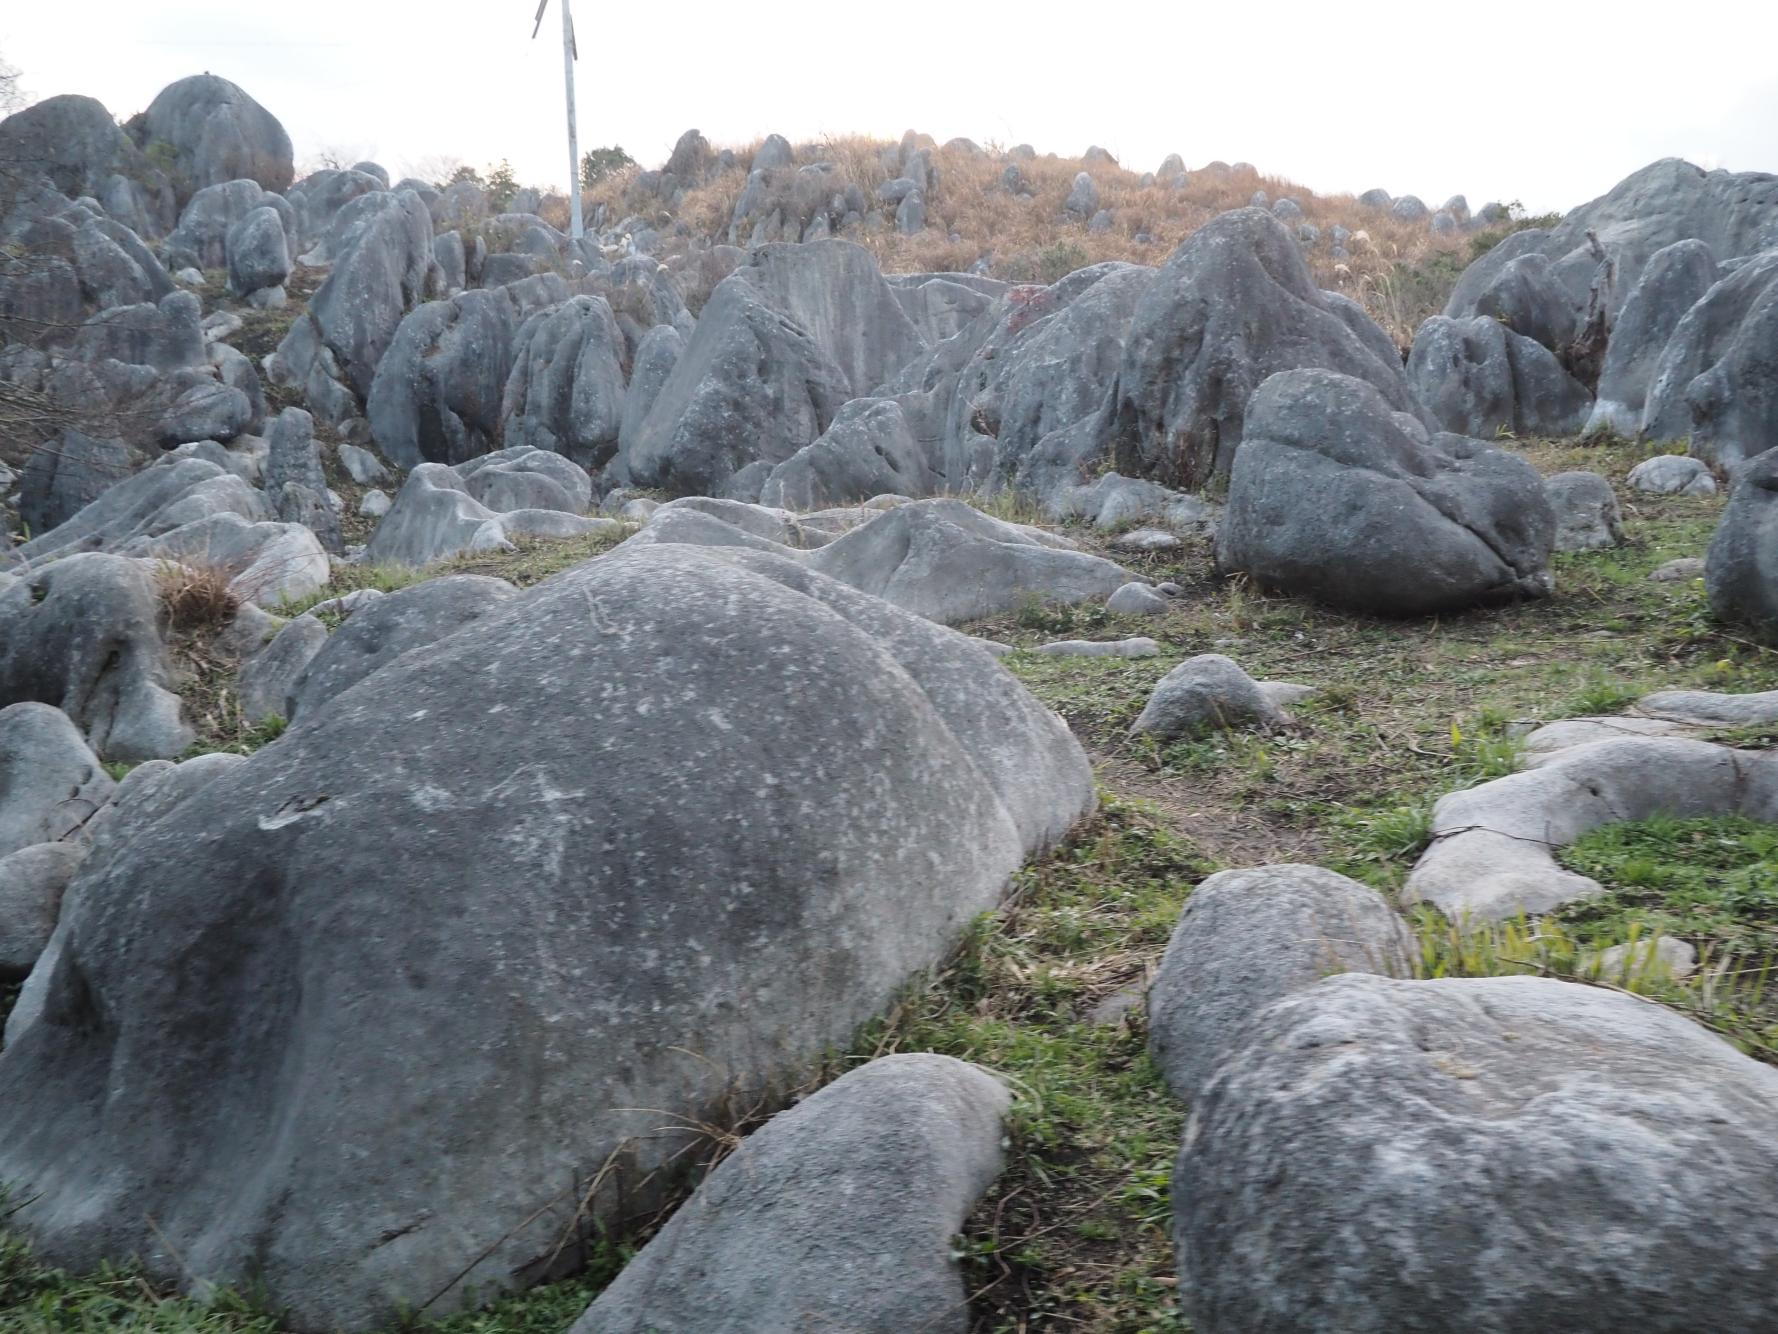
(1232, 306)
(565, 392)
(1477, 377)
(1672, 282)
(1717, 379)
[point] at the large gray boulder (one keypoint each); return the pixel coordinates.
(1333, 496)
(615, 928)
(208, 411)
(65, 475)
(376, 635)
(521, 478)
(266, 677)
(433, 517)
(216, 133)
(209, 219)
(948, 562)
(173, 492)
(1667, 201)
(783, 341)
(1477, 377)
(1232, 306)
(295, 482)
(165, 335)
(1717, 379)
(1526, 297)
(1249, 937)
(51, 784)
(565, 392)
(318, 200)
(1672, 475)
(656, 356)
(258, 252)
(436, 396)
(868, 451)
(838, 1214)
(83, 633)
(32, 882)
(1489, 1154)
(1741, 570)
(147, 792)
(381, 247)
(751, 385)
(1672, 282)
(74, 143)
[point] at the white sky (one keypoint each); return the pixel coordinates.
(1545, 101)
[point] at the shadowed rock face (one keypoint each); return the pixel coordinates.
(1717, 378)
(1234, 305)
(1741, 571)
(468, 913)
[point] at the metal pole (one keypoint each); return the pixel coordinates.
(576, 228)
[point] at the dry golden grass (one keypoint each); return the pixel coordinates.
(970, 215)
(196, 594)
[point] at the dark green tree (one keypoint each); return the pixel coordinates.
(598, 163)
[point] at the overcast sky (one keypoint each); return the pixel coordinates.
(1548, 102)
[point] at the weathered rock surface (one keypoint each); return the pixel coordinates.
(613, 907)
(1587, 513)
(1249, 937)
(1717, 379)
(1332, 496)
(565, 392)
(1673, 281)
(1210, 693)
(266, 678)
(375, 636)
(83, 633)
(440, 390)
(866, 451)
(1673, 475)
(381, 251)
(1390, 1156)
(50, 782)
(783, 342)
(217, 133)
(32, 881)
(1664, 202)
(63, 476)
(1476, 377)
(1741, 568)
(1234, 305)
(836, 1214)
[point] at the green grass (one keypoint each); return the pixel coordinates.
(1074, 1233)
(1711, 881)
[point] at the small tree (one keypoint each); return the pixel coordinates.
(12, 92)
(465, 173)
(598, 163)
(502, 185)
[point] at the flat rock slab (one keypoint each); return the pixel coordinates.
(1493, 846)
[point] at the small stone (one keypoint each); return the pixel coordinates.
(1657, 957)
(1094, 648)
(1135, 599)
(1146, 539)
(375, 504)
(1678, 571)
